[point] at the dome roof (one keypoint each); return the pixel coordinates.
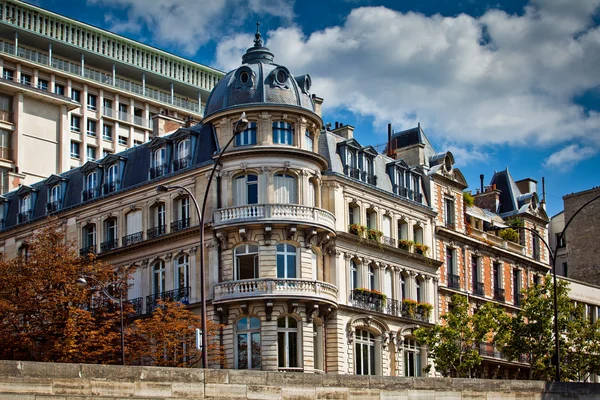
(257, 81)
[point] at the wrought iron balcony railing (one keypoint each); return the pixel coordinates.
(109, 245)
(136, 304)
(377, 302)
(84, 251)
(158, 171)
(179, 225)
(110, 187)
(133, 238)
(156, 231)
(89, 194)
(53, 206)
(499, 294)
(181, 163)
(454, 281)
(478, 288)
(24, 216)
(181, 295)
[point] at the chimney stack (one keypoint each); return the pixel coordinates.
(389, 143)
(481, 181)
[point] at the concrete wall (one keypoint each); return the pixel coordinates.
(30, 380)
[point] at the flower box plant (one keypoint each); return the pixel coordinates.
(421, 248)
(405, 244)
(374, 234)
(357, 229)
(410, 306)
(424, 309)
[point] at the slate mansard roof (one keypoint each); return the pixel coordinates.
(512, 200)
(136, 164)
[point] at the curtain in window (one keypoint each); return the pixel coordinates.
(285, 189)
(134, 222)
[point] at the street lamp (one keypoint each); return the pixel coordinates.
(82, 283)
(240, 125)
(553, 260)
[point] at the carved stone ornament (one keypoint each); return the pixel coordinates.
(168, 256)
(243, 167)
(145, 263)
(265, 169)
(287, 165)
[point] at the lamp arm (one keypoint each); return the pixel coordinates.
(103, 289)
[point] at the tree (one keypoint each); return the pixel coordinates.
(531, 331)
(44, 316)
(168, 338)
(454, 345)
(583, 347)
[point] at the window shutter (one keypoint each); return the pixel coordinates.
(134, 222)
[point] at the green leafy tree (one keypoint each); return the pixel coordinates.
(583, 347)
(454, 345)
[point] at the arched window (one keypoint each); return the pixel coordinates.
(183, 150)
(364, 357)
(26, 204)
(287, 342)
(286, 261)
(182, 271)
(248, 343)
(308, 141)
(55, 196)
(282, 133)
(311, 193)
(88, 237)
(91, 184)
(182, 213)
(353, 275)
(372, 278)
(412, 357)
(246, 262)
(160, 156)
(110, 234)
(158, 277)
(248, 136)
(158, 221)
(112, 175)
(245, 190)
(285, 189)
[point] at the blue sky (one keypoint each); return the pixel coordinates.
(500, 84)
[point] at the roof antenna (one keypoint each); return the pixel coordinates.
(257, 39)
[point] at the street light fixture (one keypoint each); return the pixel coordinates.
(82, 283)
(240, 125)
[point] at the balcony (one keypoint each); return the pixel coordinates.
(388, 241)
(84, 251)
(181, 163)
(24, 216)
(376, 302)
(478, 289)
(156, 232)
(370, 179)
(499, 294)
(275, 287)
(7, 116)
(110, 187)
(181, 295)
(454, 281)
(156, 172)
(109, 245)
(179, 225)
(136, 305)
(133, 238)
(490, 351)
(352, 172)
(6, 153)
(292, 213)
(89, 194)
(53, 206)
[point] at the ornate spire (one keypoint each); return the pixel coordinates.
(257, 40)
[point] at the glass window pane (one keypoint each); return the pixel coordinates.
(242, 351)
(254, 323)
(242, 324)
(256, 361)
(292, 323)
(280, 266)
(281, 349)
(293, 349)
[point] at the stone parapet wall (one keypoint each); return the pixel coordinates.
(48, 381)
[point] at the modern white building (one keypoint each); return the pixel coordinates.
(71, 93)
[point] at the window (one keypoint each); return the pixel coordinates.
(282, 133)
(183, 150)
(59, 89)
(536, 279)
(248, 343)
(75, 123)
(449, 213)
(25, 79)
(54, 198)
(246, 262)
(497, 278)
(403, 286)
(159, 161)
(123, 111)
(353, 275)
(314, 265)
(107, 132)
(318, 345)
(75, 95)
(287, 342)
(286, 261)
(516, 286)
(402, 230)
(137, 142)
(91, 153)
(42, 84)
(245, 190)
(565, 269)
(285, 189)
(418, 284)
(371, 219)
(364, 357)
(159, 221)
(311, 193)
(182, 271)
(158, 277)
(91, 127)
(75, 150)
(372, 280)
(353, 214)
(88, 237)
(110, 234)
(412, 358)
(476, 276)
(536, 247)
(308, 141)
(560, 241)
(453, 278)
(248, 136)
(108, 110)
(106, 152)
(25, 207)
(417, 234)
(112, 178)
(8, 74)
(122, 140)
(92, 102)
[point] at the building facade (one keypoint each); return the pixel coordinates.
(72, 93)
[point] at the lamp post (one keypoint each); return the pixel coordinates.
(82, 283)
(553, 261)
(240, 125)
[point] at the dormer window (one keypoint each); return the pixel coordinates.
(25, 209)
(91, 186)
(248, 136)
(54, 199)
(111, 179)
(368, 170)
(183, 149)
(351, 164)
(282, 133)
(159, 159)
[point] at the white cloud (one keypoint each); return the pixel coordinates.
(495, 79)
(567, 157)
(186, 25)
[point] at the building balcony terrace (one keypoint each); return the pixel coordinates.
(379, 303)
(181, 295)
(249, 289)
(287, 213)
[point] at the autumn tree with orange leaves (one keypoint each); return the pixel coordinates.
(44, 316)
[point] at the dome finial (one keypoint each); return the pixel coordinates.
(257, 39)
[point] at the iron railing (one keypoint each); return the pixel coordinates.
(110, 187)
(160, 170)
(454, 281)
(52, 206)
(181, 163)
(24, 216)
(156, 231)
(179, 225)
(133, 238)
(136, 305)
(6, 153)
(109, 245)
(377, 302)
(6, 116)
(84, 251)
(181, 295)
(89, 194)
(352, 172)
(478, 288)
(499, 294)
